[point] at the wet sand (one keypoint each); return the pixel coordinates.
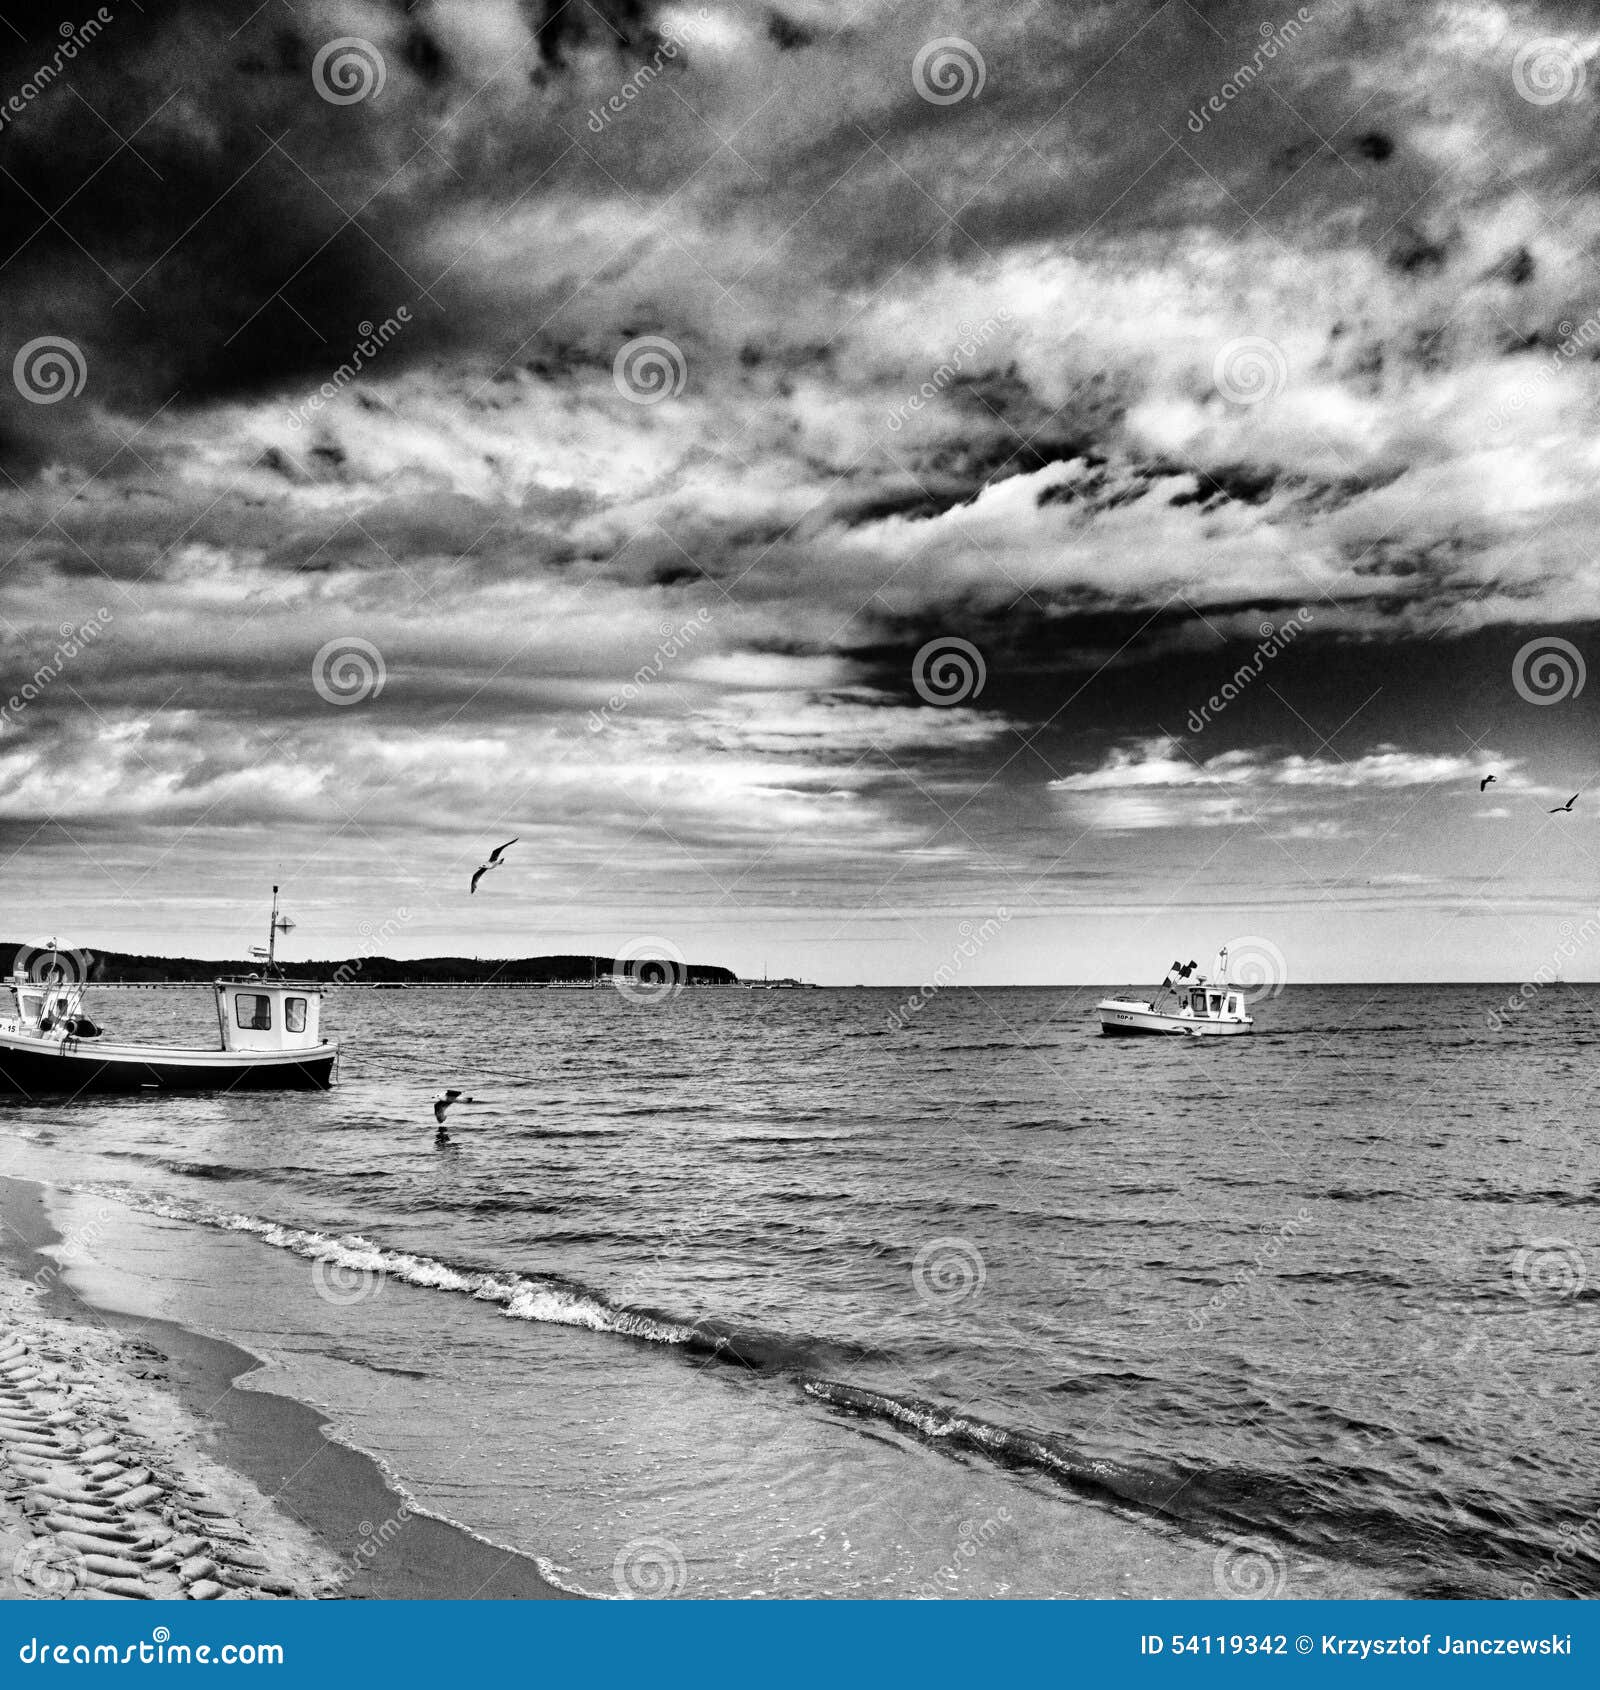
(132, 1467)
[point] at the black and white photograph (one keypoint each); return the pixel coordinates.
(800, 802)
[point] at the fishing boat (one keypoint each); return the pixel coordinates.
(269, 1027)
(1191, 1006)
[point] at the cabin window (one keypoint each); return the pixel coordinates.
(1199, 1003)
(294, 1014)
(1216, 1003)
(254, 1011)
(1233, 1003)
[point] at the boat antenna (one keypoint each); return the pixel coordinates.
(279, 924)
(1222, 965)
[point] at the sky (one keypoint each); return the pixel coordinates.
(875, 492)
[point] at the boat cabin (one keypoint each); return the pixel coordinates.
(268, 1014)
(1213, 1002)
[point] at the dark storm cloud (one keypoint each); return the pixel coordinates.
(182, 201)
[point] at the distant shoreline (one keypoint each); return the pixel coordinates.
(126, 968)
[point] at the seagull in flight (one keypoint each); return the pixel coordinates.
(1482, 784)
(441, 1108)
(1565, 809)
(493, 862)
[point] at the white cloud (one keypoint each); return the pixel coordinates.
(1160, 783)
(1164, 763)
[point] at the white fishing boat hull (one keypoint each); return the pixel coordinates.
(1121, 1016)
(30, 1063)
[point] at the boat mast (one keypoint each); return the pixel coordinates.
(278, 924)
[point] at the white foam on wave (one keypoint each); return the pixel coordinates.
(552, 1574)
(930, 1421)
(519, 1297)
(560, 1307)
(924, 1418)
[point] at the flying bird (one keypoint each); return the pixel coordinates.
(1564, 809)
(1483, 784)
(443, 1102)
(493, 862)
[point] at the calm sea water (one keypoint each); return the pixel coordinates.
(749, 1293)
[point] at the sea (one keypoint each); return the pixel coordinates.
(861, 1293)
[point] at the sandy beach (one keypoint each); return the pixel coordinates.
(108, 1492)
(130, 1468)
